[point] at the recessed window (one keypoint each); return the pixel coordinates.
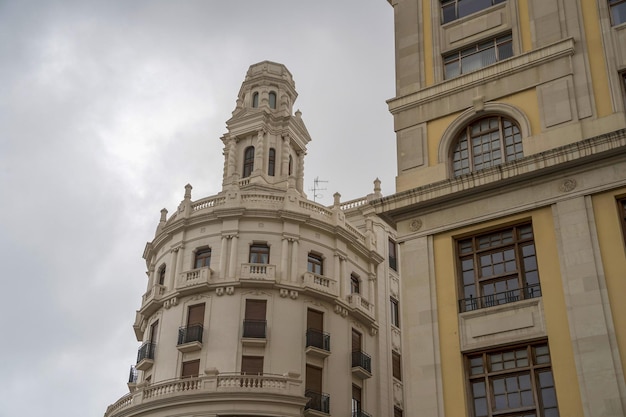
(621, 205)
(290, 165)
(498, 268)
(355, 284)
(254, 323)
(485, 143)
(162, 275)
(396, 365)
(203, 258)
(395, 311)
(455, 9)
(255, 100)
(315, 263)
(478, 56)
(271, 162)
(272, 99)
(190, 369)
(397, 412)
(259, 253)
(517, 379)
(248, 161)
(618, 11)
(393, 257)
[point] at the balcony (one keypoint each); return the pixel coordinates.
(318, 403)
(193, 281)
(254, 332)
(361, 307)
(361, 365)
(360, 413)
(152, 300)
(145, 356)
(190, 338)
(320, 285)
(317, 343)
(505, 297)
(211, 389)
(132, 378)
(258, 273)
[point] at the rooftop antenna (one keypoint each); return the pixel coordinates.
(316, 188)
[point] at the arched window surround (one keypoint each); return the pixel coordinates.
(468, 116)
(248, 161)
(272, 99)
(255, 99)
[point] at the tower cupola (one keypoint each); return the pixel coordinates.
(266, 142)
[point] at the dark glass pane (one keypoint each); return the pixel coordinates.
(467, 7)
(480, 407)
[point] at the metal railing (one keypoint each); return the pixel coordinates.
(146, 351)
(317, 401)
(132, 377)
(362, 360)
(188, 334)
(254, 328)
(505, 297)
(318, 339)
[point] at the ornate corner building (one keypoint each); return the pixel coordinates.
(489, 285)
(259, 301)
(510, 206)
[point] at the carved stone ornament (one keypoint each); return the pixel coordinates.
(219, 291)
(284, 293)
(415, 225)
(567, 185)
(293, 294)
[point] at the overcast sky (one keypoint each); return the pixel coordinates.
(107, 110)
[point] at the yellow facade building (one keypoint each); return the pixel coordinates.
(510, 206)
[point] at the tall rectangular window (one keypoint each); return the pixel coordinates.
(356, 401)
(252, 365)
(259, 253)
(254, 323)
(497, 268)
(395, 312)
(618, 11)
(396, 365)
(621, 205)
(313, 390)
(192, 332)
(477, 56)
(271, 162)
(393, 257)
(517, 380)
(202, 258)
(315, 264)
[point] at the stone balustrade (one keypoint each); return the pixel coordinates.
(258, 272)
(320, 284)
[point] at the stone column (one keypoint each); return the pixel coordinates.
(223, 257)
(300, 172)
(589, 315)
(294, 261)
(284, 260)
(232, 265)
(259, 152)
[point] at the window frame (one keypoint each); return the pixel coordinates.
(192, 363)
(355, 284)
(395, 312)
(457, 16)
(162, 274)
(271, 162)
(259, 251)
(201, 255)
(471, 276)
(255, 99)
(499, 43)
(507, 129)
(272, 99)
(621, 207)
(315, 263)
(617, 5)
(396, 365)
(538, 364)
(248, 161)
(393, 255)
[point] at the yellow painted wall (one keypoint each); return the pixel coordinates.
(613, 254)
(524, 20)
(597, 60)
(563, 366)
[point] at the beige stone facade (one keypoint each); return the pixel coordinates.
(551, 73)
(260, 302)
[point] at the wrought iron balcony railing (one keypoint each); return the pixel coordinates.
(254, 328)
(190, 334)
(317, 401)
(505, 297)
(146, 351)
(318, 339)
(132, 377)
(361, 359)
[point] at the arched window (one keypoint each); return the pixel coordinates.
(355, 284)
(202, 258)
(272, 100)
(248, 161)
(162, 275)
(486, 142)
(290, 164)
(255, 100)
(271, 163)
(315, 263)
